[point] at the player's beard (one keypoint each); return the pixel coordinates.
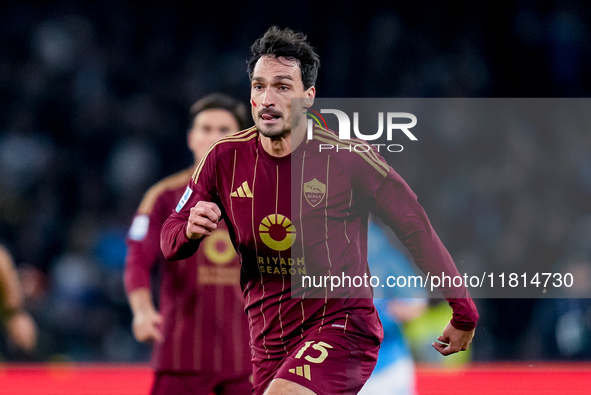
(274, 131)
(277, 130)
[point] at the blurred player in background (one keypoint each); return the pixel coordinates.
(20, 326)
(315, 344)
(200, 335)
(394, 373)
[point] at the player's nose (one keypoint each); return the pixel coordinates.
(268, 98)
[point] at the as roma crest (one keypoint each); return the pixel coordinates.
(314, 192)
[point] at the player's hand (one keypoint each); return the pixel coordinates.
(145, 326)
(22, 330)
(203, 220)
(453, 340)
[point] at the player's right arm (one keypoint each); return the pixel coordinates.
(146, 319)
(195, 216)
(142, 253)
(203, 219)
(20, 326)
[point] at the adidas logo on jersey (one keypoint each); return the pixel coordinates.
(303, 371)
(242, 191)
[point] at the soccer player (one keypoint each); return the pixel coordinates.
(20, 326)
(200, 335)
(292, 210)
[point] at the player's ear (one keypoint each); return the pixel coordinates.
(310, 95)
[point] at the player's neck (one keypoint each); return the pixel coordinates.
(277, 146)
(284, 145)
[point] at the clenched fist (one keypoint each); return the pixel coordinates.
(203, 220)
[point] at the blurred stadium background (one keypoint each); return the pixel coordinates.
(93, 97)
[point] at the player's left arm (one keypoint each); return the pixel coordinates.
(397, 206)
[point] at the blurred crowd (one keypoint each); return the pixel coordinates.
(94, 97)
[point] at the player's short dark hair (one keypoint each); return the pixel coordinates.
(288, 44)
(221, 101)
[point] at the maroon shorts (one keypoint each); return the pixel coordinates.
(166, 383)
(330, 362)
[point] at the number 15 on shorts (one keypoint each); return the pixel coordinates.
(317, 354)
(320, 346)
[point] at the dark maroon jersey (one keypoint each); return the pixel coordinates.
(307, 214)
(205, 327)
